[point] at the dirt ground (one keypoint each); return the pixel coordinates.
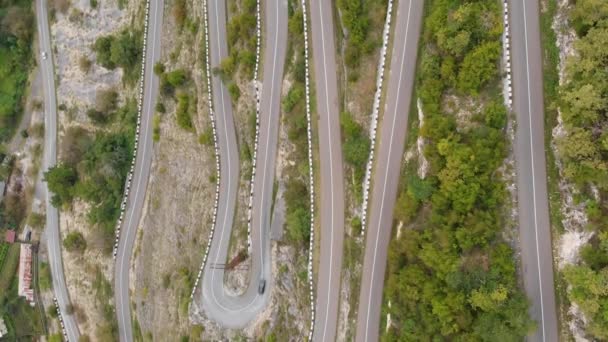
(177, 218)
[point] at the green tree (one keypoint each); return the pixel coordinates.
(478, 67)
(61, 180)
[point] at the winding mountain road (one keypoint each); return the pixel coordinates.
(139, 184)
(388, 166)
(332, 173)
(50, 159)
(534, 225)
(226, 309)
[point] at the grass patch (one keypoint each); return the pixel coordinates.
(550, 85)
(15, 62)
(44, 280)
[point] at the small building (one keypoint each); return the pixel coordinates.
(10, 236)
(25, 273)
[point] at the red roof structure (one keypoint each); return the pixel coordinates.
(10, 236)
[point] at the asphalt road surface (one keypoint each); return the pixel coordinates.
(535, 232)
(50, 159)
(228, 310)
(141, 174)
(388, 166)
(332, 175)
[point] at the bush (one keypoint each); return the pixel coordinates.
(235, 92)
(160, 107)
(184, 119)
(356, 143)
(159, 68)
(297, 220)
(177, 77)
(106, 100)
(97, 116)
(36, 220)
(75, 242)
(156, 128)
(206, 138)
(294, 96)
(84, 64)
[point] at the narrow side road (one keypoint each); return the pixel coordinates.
(50, 159)
(141, 173)
(332, 173)
(388, 166)
(534, 226)
(228, 310)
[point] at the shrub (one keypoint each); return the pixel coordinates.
(75, 242)
(235, 92)
(184, 119)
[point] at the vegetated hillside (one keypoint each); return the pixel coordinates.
(584, 153)
(16, 29)
(451, 275)
(97, 51)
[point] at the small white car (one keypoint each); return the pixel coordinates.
(43, 55)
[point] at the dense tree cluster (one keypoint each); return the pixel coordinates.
(450, 274)
(94, 169)
(122, 50)
(16, 27)
(241, 40)
(355, 18)
(584, 152)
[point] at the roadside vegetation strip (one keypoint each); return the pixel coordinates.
(123, 204)
(581, 139)
(507, 55)
(257, 121)
(450, 254)
(310, 172)
(215, 147)
(60, 317)
(375, 110)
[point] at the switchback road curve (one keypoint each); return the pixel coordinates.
(228, 310)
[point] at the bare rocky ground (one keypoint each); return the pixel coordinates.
(75, 28)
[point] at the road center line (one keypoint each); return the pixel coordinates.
(139, 182)
(390, 147)
(540, 281)
(331, 175)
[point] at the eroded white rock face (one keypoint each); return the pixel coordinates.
(574, 218)
(569, 246)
